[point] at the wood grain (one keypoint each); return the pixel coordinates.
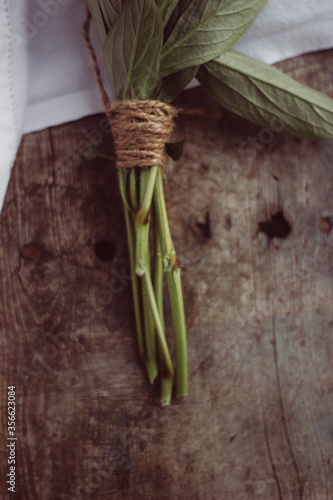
(258, 422)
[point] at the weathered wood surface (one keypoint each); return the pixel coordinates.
(258, 422)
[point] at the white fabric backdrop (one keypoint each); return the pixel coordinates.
(13, 85)
(60, 84)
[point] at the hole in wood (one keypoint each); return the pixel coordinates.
(105, 250)
(32, 251)
(205, 227)
(325, 224)
(275, 227)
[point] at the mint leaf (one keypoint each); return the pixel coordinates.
(166, 8)
(110, 10)
(173, 84)
(265, 95)
(97, 16)
(205, 30)
(104, 14)
(132, 50)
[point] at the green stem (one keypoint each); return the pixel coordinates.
(144, 317)
(168, 371)
(149, 310)
(158, 276)
(142, 266)
(168, 251)
(122, 189)
(150, 336)
(166, 382)
(142, 219)
(179, 327)
(135, 283)
(145, 203)
(132, 189)
(172, 270)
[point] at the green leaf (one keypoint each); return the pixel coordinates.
(96, 152)
(132, 50)
(104, 14)
(178, 11)
(175, 149)
(166, 8)
(205, 30)
(97, 16)
(173, 84)
(110, 10)
(266, 96)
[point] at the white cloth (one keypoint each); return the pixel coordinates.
(13, 86)
(61, 85)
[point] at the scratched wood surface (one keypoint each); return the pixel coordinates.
(258, 422)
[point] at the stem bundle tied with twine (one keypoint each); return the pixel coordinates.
(141, 129)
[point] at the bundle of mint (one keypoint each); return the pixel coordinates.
(152, 50)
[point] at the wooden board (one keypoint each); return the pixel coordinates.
(258, 422)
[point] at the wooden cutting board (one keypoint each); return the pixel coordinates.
(258, 421)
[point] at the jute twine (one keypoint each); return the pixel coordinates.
(140, 130)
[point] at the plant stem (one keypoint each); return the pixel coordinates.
(172, 269)
(122, 189)
(167, 375)
(142, 187)
(167, 248)
(142, 219)
(166, 381)
(179, 327)
(151, 361)
(152, 316)
(149, 177)
(158, 275)
(142, 266)
(135, 284)
(132, 189)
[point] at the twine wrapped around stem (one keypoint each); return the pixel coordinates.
(140, 130)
